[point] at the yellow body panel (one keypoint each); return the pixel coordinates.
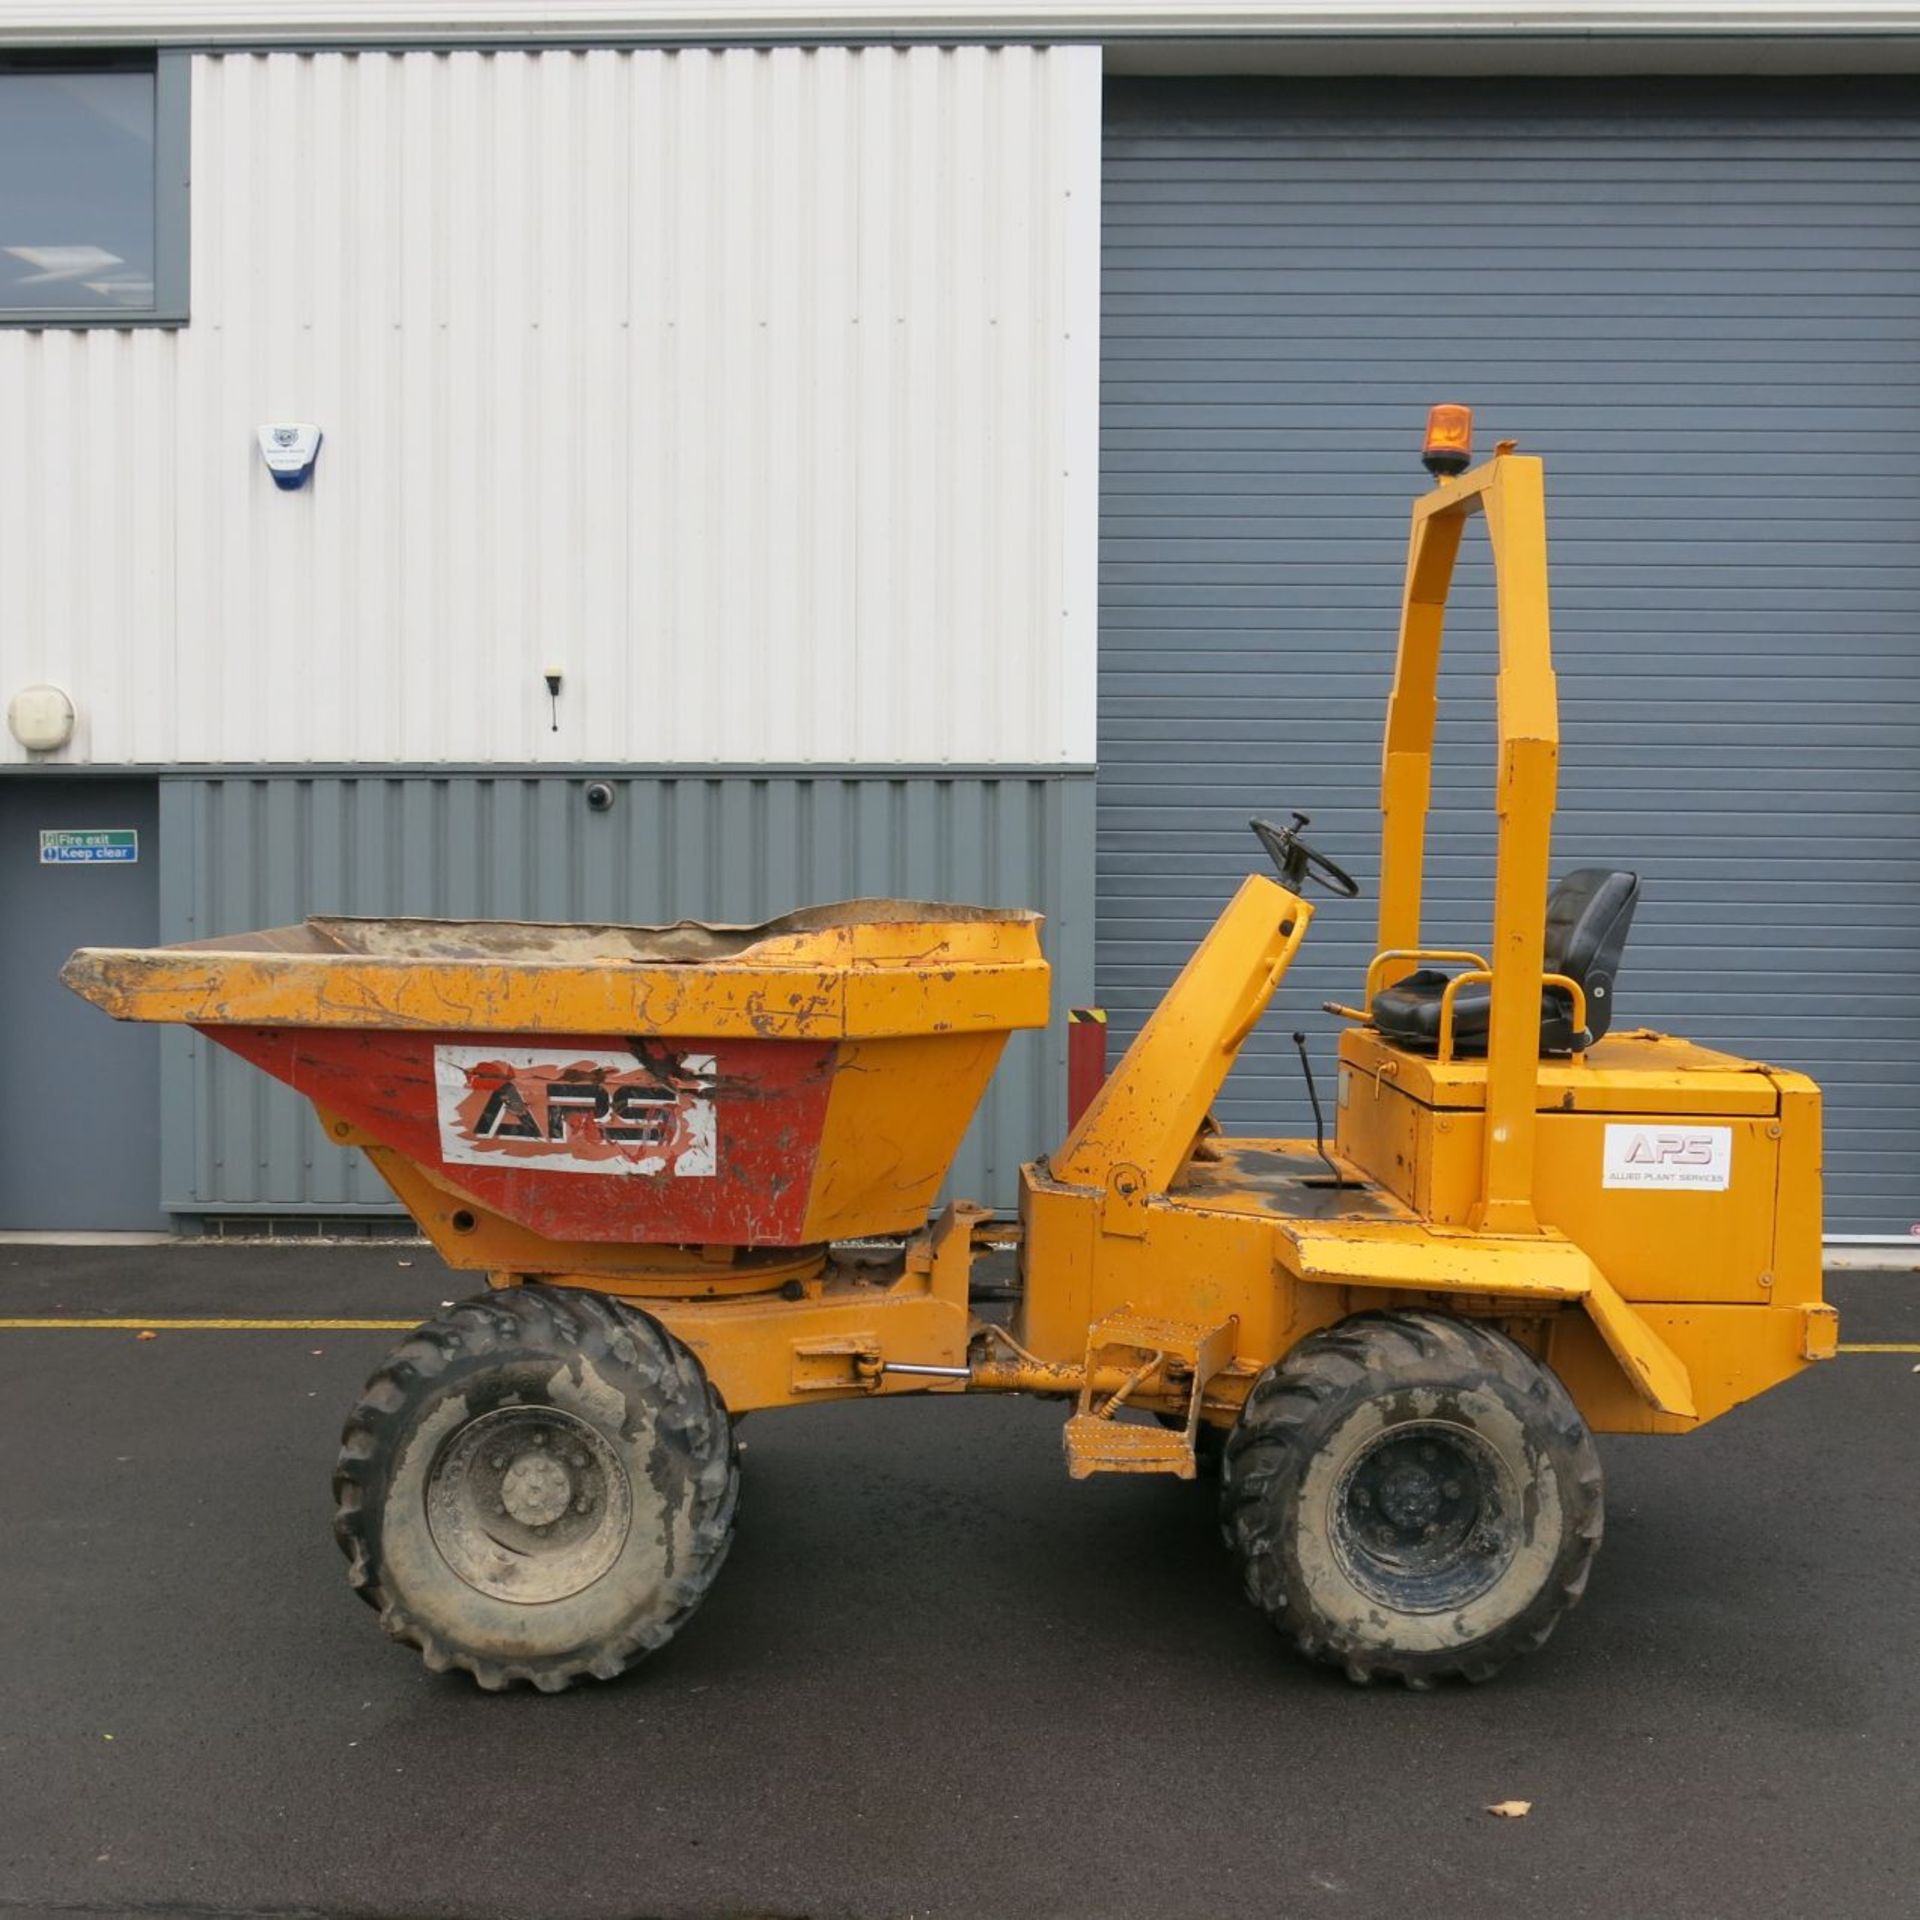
(833, 1341)
(1145, 1118)
(863, 970)
(1730, 1354)
(890, 1127)
(824, 1335)
(1756, 1240)
(1240, 1242)
(1636, 1072)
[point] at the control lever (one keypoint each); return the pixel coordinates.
(1319, 1122)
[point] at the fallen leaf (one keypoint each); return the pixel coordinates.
(318, 1351)
(146, 1333)
(1511, 1809)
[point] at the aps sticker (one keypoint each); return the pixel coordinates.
(565, 1111)
(1674, 1159)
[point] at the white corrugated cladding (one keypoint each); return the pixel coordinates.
(755, 392)
(310, 20)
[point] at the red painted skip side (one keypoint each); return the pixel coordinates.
(589, 1138)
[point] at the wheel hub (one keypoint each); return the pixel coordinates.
(1410, 1498)
(536, 1490)
(529, 1504)
(1424, 1517)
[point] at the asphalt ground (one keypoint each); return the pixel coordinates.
(935, 1679)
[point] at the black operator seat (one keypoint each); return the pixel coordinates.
(1588, 916)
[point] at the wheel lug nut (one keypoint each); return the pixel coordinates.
(498, 1463)
(582, 1504)
(578, 1459)
(1451, 1489)
(539, 1439)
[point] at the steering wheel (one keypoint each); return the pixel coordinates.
(1299, 862)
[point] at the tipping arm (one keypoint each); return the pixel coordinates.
(1149, 1113)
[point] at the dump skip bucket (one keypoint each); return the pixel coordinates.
(779, 1085)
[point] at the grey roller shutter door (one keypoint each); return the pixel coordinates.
(1701, 303)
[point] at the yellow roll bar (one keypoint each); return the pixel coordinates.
(1509, 491)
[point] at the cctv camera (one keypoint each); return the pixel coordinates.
(599, 795)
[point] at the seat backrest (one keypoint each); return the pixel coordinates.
(1588, 917)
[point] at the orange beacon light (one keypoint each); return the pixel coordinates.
(1449, 447)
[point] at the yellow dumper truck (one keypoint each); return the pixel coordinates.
(657, 1145)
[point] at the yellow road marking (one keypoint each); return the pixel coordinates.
(1882, 1346)
(210, 1326)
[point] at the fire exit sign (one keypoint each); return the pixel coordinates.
(88, 846)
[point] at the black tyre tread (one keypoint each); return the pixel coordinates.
(505, 1322)
(1324, 1367)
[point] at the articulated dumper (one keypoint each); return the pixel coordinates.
(658, 1145)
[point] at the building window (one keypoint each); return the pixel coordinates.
(93, 191)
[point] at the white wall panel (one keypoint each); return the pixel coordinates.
(754, 390)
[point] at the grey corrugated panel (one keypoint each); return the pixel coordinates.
(239, 852)
(1701, 304)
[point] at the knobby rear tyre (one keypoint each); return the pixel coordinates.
(1412, 1496)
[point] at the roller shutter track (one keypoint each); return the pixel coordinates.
(1701, 304)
